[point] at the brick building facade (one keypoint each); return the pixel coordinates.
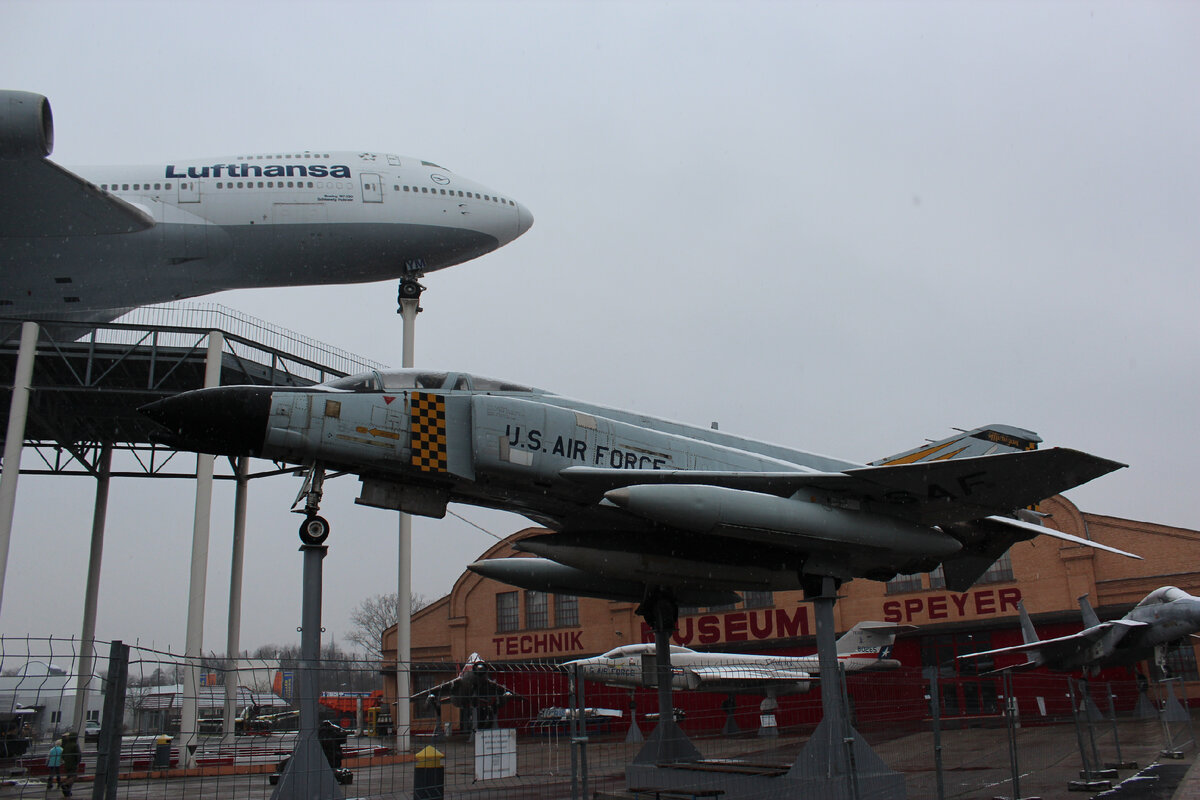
(505, 624)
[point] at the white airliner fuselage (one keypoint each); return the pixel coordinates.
(85, 241)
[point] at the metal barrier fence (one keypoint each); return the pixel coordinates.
(541, 731)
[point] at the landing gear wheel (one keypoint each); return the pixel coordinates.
(409, 290)
(314, 530)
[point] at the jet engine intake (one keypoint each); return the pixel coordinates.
(26, 125)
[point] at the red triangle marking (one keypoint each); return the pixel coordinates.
(388, 400)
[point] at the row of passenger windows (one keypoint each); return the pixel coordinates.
(454, 193)
(289, 155)
(140, 187)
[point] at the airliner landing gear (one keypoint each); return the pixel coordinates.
(315, 528)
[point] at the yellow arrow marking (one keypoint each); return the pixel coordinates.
(377, 432)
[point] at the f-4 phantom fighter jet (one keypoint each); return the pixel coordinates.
(1163, 616)
(90, 243)
(866, 646)
(635, 502)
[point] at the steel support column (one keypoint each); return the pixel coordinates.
(197, 585)
(91, 598)
(233, 635)
(15, 439)
(409, 307)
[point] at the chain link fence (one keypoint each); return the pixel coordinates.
(535, 730)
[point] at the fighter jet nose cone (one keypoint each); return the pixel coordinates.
(227, 420)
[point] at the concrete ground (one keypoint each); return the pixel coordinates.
(976, 764)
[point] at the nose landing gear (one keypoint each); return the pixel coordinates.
(314, 530)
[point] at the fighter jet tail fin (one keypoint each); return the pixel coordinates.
(1090, 619)
(985, 441)
(868, 645)
(1028, 632)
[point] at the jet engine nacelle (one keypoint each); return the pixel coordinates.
(26, 125)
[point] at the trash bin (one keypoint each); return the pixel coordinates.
(162, 752)
(429, 777)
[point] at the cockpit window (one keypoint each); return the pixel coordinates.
(1165, 594)
(490, 385)
(362, 382)
(395, 381)
(399, 380)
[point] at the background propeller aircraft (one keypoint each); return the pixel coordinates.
(1165, 615)
(636, 503)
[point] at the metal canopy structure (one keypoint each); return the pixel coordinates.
(73, 390)
(89, 379)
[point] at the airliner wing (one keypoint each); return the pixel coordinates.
(930, 492)
(38, 198)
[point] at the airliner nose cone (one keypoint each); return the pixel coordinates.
(524, 219)
(227, 420)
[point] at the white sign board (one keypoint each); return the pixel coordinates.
(495, 754)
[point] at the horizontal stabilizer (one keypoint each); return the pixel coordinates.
(1066, 537)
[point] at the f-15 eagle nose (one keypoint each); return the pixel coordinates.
(225, 420)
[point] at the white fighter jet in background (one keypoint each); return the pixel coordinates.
(866, 646)
(91, 243)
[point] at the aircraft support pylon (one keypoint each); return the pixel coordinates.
(667, 743)
(837, 763)
(308, 775)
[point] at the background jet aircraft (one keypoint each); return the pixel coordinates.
(638, 501)
(863, 647)
(91, 243)
(473, 690)
(1163, 616)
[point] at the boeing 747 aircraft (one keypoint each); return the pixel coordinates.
(90, 243)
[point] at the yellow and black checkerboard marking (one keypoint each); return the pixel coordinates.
(428, 422)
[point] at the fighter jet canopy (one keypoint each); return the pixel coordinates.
(1164, 594)
(400, 379)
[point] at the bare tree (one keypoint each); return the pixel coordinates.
(372, 617)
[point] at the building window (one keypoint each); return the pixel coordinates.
(1181, 661)
(998, 572)
(904, 583)
(537, 610)
(758, 599)
(507, 618)
(721, 609)
(937, 578)
(566, 610)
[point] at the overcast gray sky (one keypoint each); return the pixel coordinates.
(844, 227)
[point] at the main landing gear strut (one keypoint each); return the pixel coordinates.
(315, 528)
